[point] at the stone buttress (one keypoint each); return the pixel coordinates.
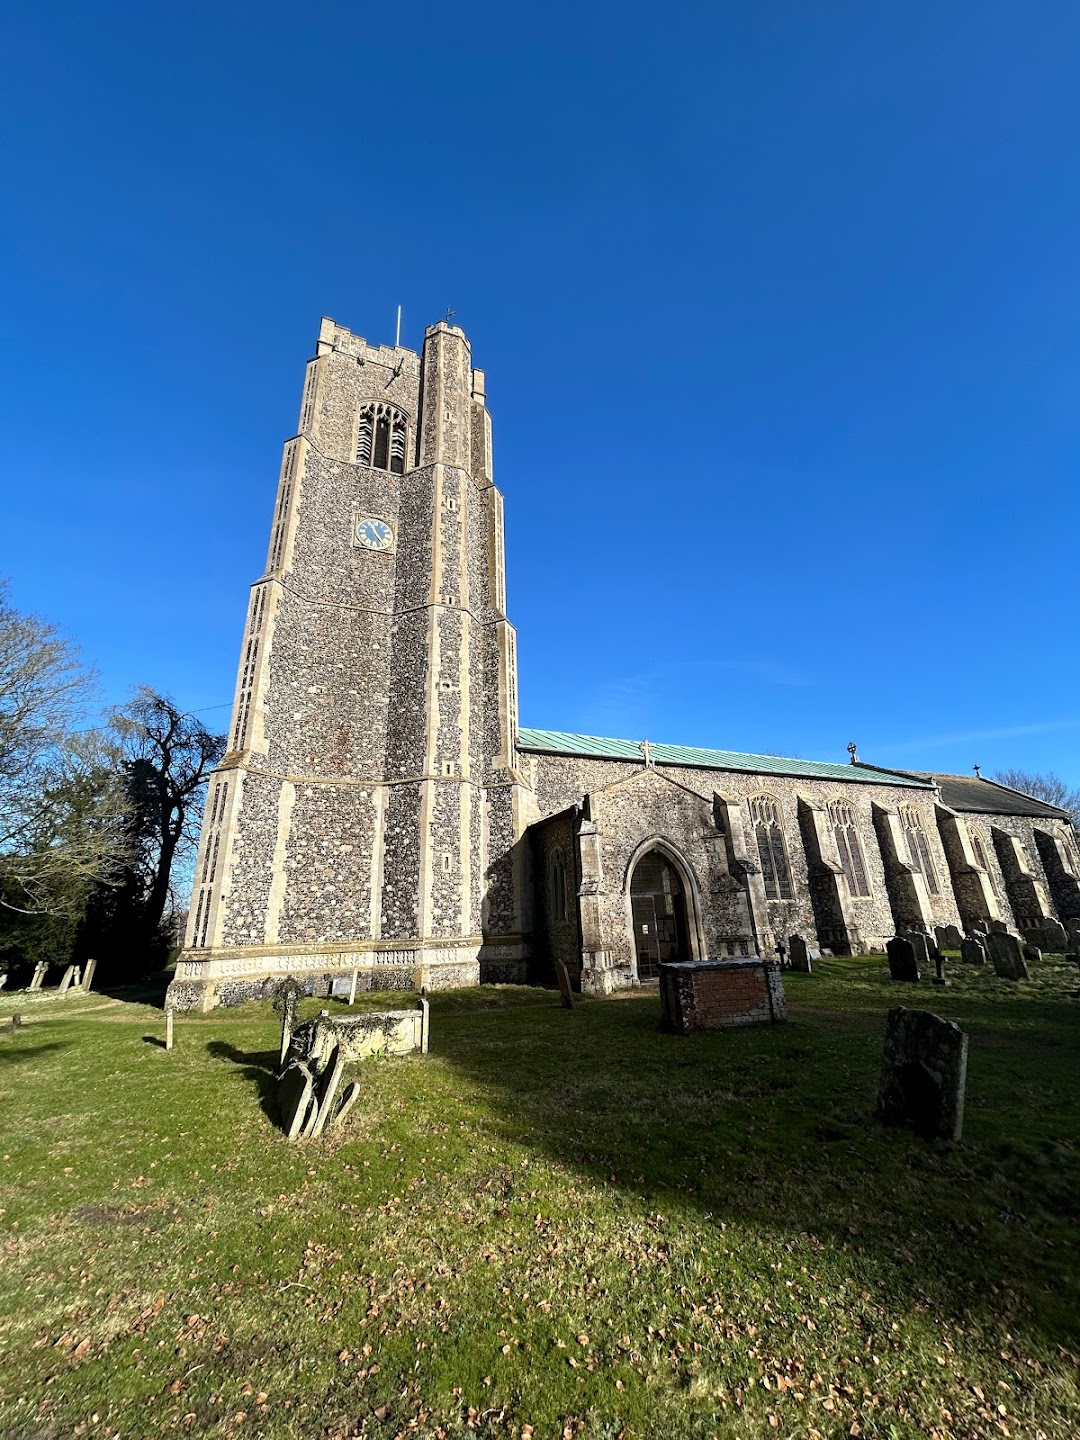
(368, 812)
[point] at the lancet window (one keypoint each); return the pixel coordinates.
(918, 848)
(381, 438)
(772, 851)
(848, 844)
(557, 886)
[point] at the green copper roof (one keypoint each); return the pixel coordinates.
(555, 742)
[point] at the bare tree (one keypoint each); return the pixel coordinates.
(59, 800)
(1045, 786)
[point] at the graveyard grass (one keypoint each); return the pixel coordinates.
(556, 1224)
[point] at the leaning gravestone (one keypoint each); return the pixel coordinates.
(997, 927)
(565, 988)
(349, 1097)
(294, 1099)
(65, 983)
(326, 1095)
(972, 950)
(40, 971)
(3, 979)
(923, 1074)
(799, 954)
(903, 964)
(922, 943)
(1032, 953)
(1005, 952)
(948, 937)
(88, 974)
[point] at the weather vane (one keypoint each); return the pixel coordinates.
(450, 314)
(978, 772)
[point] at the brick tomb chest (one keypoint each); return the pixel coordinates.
(704, 994)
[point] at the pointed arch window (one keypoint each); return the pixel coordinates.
(848, 844)
(918, 847)
(772, 850)
(557, 886)
(382, 438)
(979, 851)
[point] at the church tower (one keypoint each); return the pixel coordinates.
(368, 812)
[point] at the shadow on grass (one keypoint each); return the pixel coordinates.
(10, 1056)
(154, 1040)
(259, 1066)
(773, 1127)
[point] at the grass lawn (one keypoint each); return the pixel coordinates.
(556, 1224)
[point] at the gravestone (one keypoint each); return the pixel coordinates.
(799, 952)
(65, 983)
(997, 927)
(922, 943)
(1073, 928)
(169, 1028)
(1032, 953)
(326, 1095)
(939, 969)
(923, 1074)
(76, 979)
(40, 971)
(425, 1023)
(972, 950)
(349, 1097)
(352, 985)
(294, 1099)
(1006, 956)
(565, 988)
(3, 979)
(948, 937)
(903, 964)
(88, 974)
(1054, 936)
(341, 987)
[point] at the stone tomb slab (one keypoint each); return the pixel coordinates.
(711, 994)
(903, 964)
(923, 1074)
(1006, 955)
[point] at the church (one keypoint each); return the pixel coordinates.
(380, 811)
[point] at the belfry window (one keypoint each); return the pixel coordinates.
(557, 889)
(918, 849)
(772, 852)
(847, 843)
(381, 438)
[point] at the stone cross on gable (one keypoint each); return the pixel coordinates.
(646, 750)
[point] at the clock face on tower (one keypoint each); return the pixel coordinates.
(374, 534)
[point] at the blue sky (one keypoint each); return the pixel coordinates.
(779, 306)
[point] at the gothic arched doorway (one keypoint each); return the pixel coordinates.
(658, 908)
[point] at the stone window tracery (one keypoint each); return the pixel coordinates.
(918, 848)
(772, 850)
(382, 438)
(557, 887)
(848, 844)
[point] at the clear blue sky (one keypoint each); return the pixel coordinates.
(779, 305)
